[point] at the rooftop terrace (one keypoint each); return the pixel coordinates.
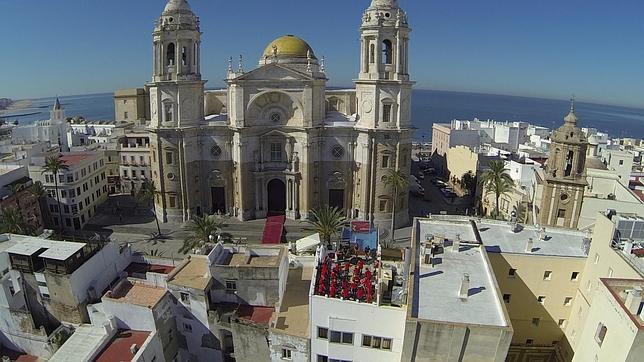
(256, 256)
(195, 273)
(119, 348)
(452, 279)
(293, 316)
(137, 293)
(620, 289)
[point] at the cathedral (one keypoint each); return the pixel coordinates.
(276, 140)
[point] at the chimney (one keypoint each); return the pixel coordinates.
(465, 287)
(628, 247)
(134, 349)
(634, 299)
(529, 246)
(456, 244)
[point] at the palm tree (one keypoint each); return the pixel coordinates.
(496, 180)
(397, 181)
(38, 191)
(147, 193)
(200, 230)
(55, 164)
(327, 221)
(12, 221)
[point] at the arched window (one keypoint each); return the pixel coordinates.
(168, 114)
(387, 52)
(569, 157)
(372, 53)
(184, 56)
(170, 54)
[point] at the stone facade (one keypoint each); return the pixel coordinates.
(565, 181)
(276, 140)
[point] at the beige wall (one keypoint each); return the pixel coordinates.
(602, 262)
(528, 284)
(461, 160)
(134, 102)
(623, 338)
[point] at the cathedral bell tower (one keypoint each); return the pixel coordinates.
(176, 104)
(565, 181)
(383, 92)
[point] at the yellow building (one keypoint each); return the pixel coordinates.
(613, 252)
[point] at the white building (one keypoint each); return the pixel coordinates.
(81, 188)
(54, 130)
(619, 162)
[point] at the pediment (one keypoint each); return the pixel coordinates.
(274, 72)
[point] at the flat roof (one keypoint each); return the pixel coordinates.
(119, 347)
(137, 293)
(142, 268)
(250, 256)
(57, 250)
(71, 159)
(194, 274)
(619, 289)
(499, 237)
(81, 345)
(293, 316)
(436, 288)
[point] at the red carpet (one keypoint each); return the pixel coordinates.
(273, 229)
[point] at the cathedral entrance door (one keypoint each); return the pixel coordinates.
(276, 197)
(218, 195)
(336, 199)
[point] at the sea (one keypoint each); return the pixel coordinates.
(428, 107)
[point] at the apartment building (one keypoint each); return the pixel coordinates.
(134, 160)
(81, 188)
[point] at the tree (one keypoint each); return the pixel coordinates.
(54, 165)
(496, 180)
(396, 180)
(39, 192)
(468, 181)
(12, 222)
(14, 189)
(147, 193)
(199, 231)
(327, 221)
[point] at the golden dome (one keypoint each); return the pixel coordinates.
(289, 46)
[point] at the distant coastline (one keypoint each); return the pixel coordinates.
(5, 103)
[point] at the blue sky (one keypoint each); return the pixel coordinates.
(549, 48)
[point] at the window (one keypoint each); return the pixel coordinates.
(562, 323)
(323, 358)
(63, 193)
(600, 335)
(341, 337)
(529, 342)
(286, 354)
(66, 209)
(574, 276)
(187, 327)
(385, 161)
(507, 298)
(276, 152)
(568, 301)
(125, 115)
(323, 333)
(382, 205)
(170, 55)
(172, 201)
(512, 273)
(231, 285)
(386, 112)
(541, 299)
(376, 342)
(536, 321)
(561, 213)
(185, 297)
(547, 275)
(168, 158)
(70, 178)
(387, 52)
(621, 162)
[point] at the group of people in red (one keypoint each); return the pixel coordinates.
(338, 280)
